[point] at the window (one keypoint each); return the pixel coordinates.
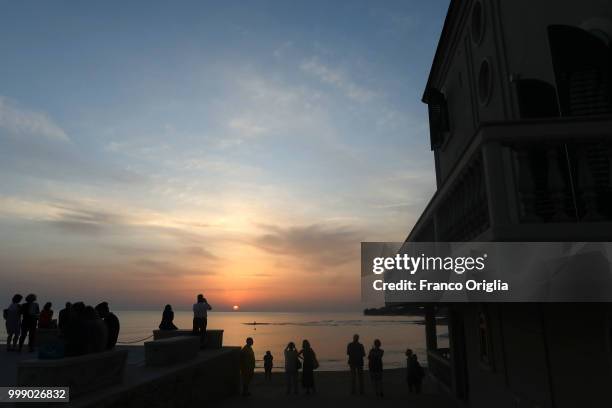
(582, 63)
(438, 117)
(484, 337)
(477, 28)
(485, 82)
(536, 98)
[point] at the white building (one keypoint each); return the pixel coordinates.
(520, 110)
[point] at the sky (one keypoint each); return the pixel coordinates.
(150, 151)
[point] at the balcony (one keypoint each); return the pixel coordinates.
(527, 180)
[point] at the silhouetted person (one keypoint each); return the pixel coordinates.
(268, 365)
(167, 322)
(96, 332)
(247, 365)
(75, 331)
(64, 318)
(112, 324)
(30, 313)
(200, 317)
(375, 366)
(12, 314)
(310, 364)
(414, 372)
(356, 353)
(46, 317)
(291, 367)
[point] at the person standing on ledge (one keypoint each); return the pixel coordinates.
(200, 317)
(247, 365)
(356, 353)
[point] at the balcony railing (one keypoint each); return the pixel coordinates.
(464, 214)
(564, 181)
(461, 212)
(513, 175)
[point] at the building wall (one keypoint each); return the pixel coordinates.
(578, 338)
(541, 355)
(550, 355)
(459, 78)
(513, 43)
(527, 47)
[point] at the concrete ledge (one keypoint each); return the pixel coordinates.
(172, 350)
(211, 376)
(166, 334)
(83, 374)
(49, 343)
(44, 336)
(214, 338)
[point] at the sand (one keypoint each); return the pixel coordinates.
(333, 390)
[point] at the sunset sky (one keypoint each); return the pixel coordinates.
(152, 151)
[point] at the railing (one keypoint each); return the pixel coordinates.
(464, 213)
(439, 365)
(561, 170)
(564, 181)
(461, 212)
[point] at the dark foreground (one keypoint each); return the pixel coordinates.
(333, 390)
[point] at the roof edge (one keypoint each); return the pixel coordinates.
(453, 8)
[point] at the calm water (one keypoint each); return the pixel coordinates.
(328, 333)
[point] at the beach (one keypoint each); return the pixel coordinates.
(333, 387)
(333, 390)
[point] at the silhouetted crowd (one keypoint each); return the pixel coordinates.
(306, 360)
(86, 329)
(82, 328)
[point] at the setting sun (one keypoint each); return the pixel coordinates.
(236, 307)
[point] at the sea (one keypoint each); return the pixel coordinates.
(328, 333)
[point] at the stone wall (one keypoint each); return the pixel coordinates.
(214, 338)
(83, 374)
(173, 350)
(211, 376)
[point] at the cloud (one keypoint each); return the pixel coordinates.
(26, 123)
(149, 251)
(397, 24)
(199, 251)
(317, 245)
(88, 218)
(163, 269)
(94, 217)
(246, 127)
(259, 108)
(282, 49)
(34, 146)
(84, 221)
(338, 79)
